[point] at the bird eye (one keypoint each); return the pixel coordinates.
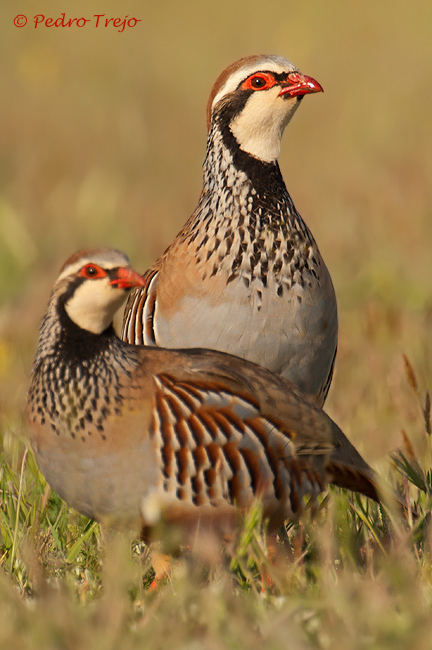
(92, 271)
(259, 82)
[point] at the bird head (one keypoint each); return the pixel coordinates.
(255, 98)
(93, 285)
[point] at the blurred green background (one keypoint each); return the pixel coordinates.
(102, 139)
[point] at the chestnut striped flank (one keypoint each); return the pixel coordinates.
(214, 447)
(138, 326)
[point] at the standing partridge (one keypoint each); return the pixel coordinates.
(245, 275)
(123, 432)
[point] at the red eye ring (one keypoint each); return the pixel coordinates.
(259, 81)
(92, 272)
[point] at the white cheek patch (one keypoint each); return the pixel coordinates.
(94, 304)
(259, 127)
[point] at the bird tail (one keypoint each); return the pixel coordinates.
(347, 469)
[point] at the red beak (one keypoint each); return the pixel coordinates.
(126, 278)
(300, 85)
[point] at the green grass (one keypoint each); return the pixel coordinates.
(101, 143)
(354, 574)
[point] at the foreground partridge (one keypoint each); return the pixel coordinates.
(123, 432)
(245, 275)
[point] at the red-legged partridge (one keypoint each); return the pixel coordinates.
(245, 275)
(124, 433)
